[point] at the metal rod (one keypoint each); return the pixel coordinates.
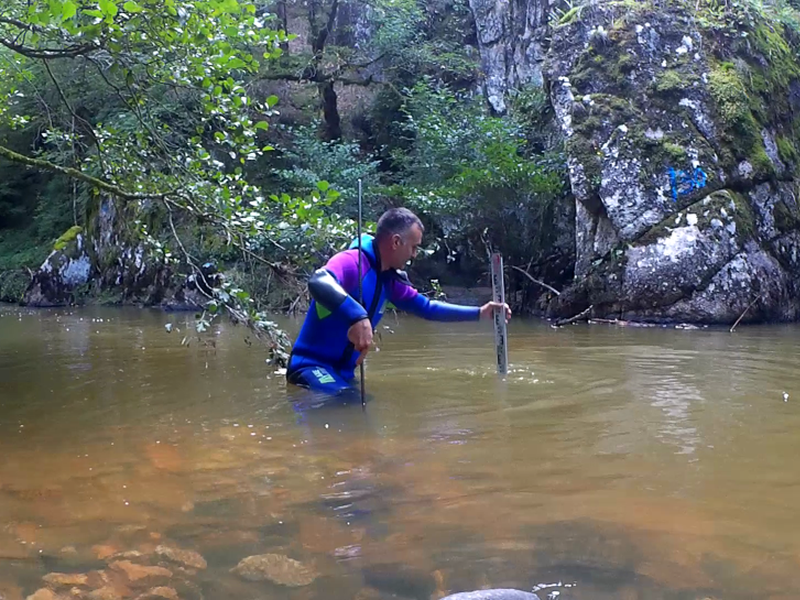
(500, 330)
(361, 296)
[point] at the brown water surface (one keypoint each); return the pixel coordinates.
(614, 462)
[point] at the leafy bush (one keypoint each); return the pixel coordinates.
(468, 173)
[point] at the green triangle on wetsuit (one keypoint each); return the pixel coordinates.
(322, 312)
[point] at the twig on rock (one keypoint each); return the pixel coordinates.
(541, 283)
(741, 316)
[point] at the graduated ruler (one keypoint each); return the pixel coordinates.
(500, 332)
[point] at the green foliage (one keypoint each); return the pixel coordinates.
(467, 171)
(416, 42)
(170, 120)
(340, 163)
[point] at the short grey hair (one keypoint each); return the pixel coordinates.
(397, 221)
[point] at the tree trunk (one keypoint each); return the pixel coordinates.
(331, 128)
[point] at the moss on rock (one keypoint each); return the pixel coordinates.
(68, 236)
(786, 219)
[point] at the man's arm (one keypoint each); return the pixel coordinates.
(327, 291)
(328, 287)
(406, 298)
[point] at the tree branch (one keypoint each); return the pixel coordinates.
(74, 114)
(541, 283)
(319, 42)
(320, 78)
(76, 174)
(581, 316)
(44, 53)
(19, 24)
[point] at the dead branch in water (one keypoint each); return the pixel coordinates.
(609, 321)
(579, 317)
(541, 283)
(741, 316)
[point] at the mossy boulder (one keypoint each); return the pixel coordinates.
(64, 273)
(681, 142)
(107, 262)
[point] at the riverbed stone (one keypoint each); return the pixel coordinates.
(45, 594)
(141, 575)
(159, 593)
(276, 568)
(104, 593)
(61, 580)
(185, 558)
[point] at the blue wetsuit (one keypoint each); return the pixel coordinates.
(323, 358)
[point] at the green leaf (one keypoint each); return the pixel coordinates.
(272, 101)
(323, 186)
(262, 125)
(68, 10)
(132, 7)
(108, 7)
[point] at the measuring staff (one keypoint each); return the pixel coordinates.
(337, 332)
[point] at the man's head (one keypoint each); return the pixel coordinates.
(398, 236)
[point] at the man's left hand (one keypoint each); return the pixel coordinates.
(487, 310)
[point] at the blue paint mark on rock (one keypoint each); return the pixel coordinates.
(683, 182)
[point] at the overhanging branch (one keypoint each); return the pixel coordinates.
(76, 174)
(46, 53)
(18, 24)
(320, 78)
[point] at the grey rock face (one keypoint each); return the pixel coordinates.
(511, 40)
(104, 258)
(686, 197)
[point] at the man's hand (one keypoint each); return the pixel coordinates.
(487, 310)
(360, 334)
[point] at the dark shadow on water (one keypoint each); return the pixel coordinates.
(304, 399)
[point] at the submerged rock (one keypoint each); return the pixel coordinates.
(141, 575)
(45, 594)
(275, 568)
(498, 594)
(57, 580)
(104, 593)
(186, 558)
(159, 593)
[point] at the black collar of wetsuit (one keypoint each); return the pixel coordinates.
(375, 263)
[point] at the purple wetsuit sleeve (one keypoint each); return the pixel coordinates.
(406, 298)
(344, 267)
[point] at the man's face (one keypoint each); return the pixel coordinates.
(405, 247)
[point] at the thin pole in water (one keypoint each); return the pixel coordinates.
(361, 295)
(500, 330)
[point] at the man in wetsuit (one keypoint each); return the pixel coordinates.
(337, 332)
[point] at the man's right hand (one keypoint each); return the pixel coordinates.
(360, 334)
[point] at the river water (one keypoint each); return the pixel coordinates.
(611, 462)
